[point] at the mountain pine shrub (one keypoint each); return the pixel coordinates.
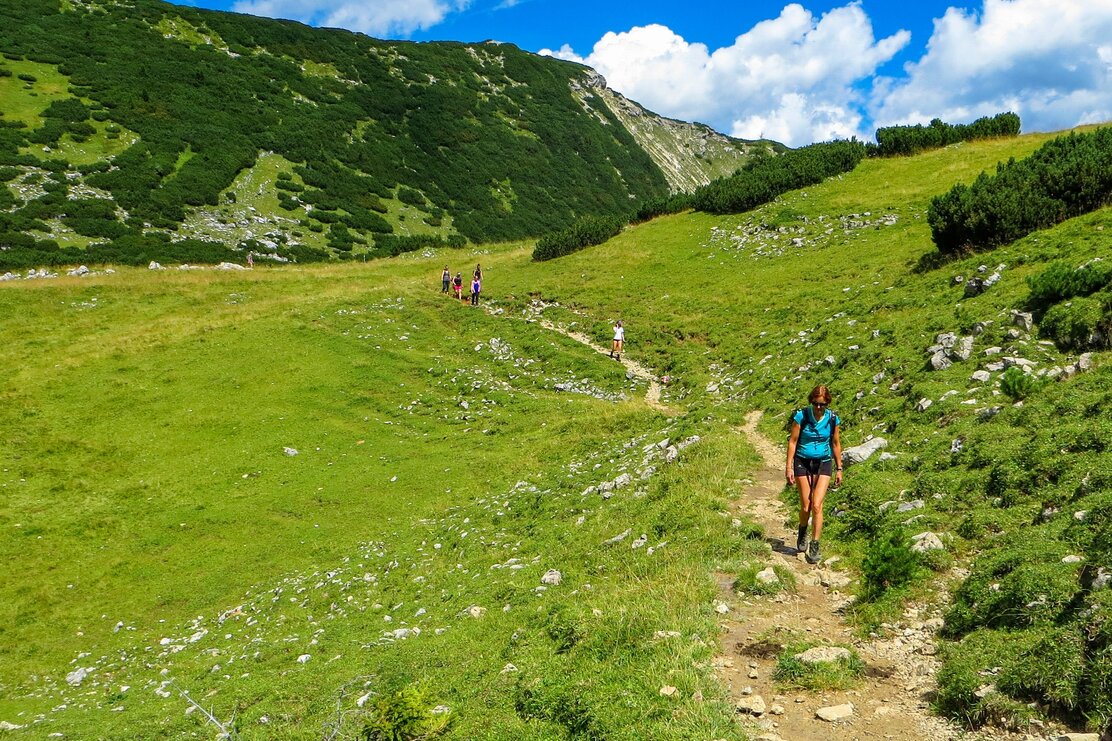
(585, 232)
(889, 564)
(907, 140)
(1066, 177)
(766, 177)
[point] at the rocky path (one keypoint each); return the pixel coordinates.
(890, 702)
(652, 395)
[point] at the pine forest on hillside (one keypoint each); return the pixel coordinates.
(128, 129)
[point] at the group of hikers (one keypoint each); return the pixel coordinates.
(814, 443)
(447, 282)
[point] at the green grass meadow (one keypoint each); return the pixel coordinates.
(158, 534)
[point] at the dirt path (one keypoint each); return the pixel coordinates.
(652, 395)
(890, 702)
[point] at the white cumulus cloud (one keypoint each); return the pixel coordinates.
(1050, 61)
(795, 78)
(376, 18)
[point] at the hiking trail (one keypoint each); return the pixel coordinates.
(652, 394)
(889, 702)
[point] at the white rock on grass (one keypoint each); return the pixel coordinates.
(77, 676)
(304, 658)
(552, 577)
(835, 712)
(767, 576)
(862, 452)
(6, 726)
(923, 405)
(924, 542)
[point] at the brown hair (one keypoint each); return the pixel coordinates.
(819, 393)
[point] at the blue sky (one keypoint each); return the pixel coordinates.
(795, 72)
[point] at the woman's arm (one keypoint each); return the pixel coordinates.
(836, 441)
(793, 442)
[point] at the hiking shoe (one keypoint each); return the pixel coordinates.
(813, 552)
(801, 539)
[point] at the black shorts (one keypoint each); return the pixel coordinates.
(812, 466)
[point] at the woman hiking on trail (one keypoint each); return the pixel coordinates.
(619, 340)
(814, 454)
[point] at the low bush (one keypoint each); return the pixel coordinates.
(907, 140)
(1050, 669)
(549, 700)
(766, 177)
(1061, 281)
(1081, 324)
(1066, 177)
(585, 232)
(889, 564)
(407, 714)
(1018, 385)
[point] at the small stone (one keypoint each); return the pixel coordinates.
(924, 542)
(753, 674)
(776, 710)
(475, 611)
(290, 451)
(552, 577)
(923, 405)
(835, 712)
(722, 608)
(752, 705)
(767, 576)
(824, 655)
(1072, 559)
(303, 659)
(77, 676)
(668, 690)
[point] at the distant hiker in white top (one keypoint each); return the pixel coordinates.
(619, 340)
(445, 279)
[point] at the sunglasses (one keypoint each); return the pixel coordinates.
(818, 405)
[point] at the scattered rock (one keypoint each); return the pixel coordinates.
(924, 542)
(767, 576)
(752, 705)
(908, 506)
(552, 577)
(923, 405)
(862, 452)
(835, 712)
(304, 658)
(824, 655)
(475, 611)
(981, 376)
(668, 690)
(290, 451)
(77, 676)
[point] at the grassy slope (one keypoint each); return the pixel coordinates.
(147, 468)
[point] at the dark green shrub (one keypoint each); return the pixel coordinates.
(889, 564)
(1014, 586)
(1081, 324)
(586, 232)
(410, 196)
(964, 673)
(1060, 281)
(405, 715)
(1066, 177)
(765, 178)
(1096, 689)
(549, 700)
(1018, 385)
(906, 140)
